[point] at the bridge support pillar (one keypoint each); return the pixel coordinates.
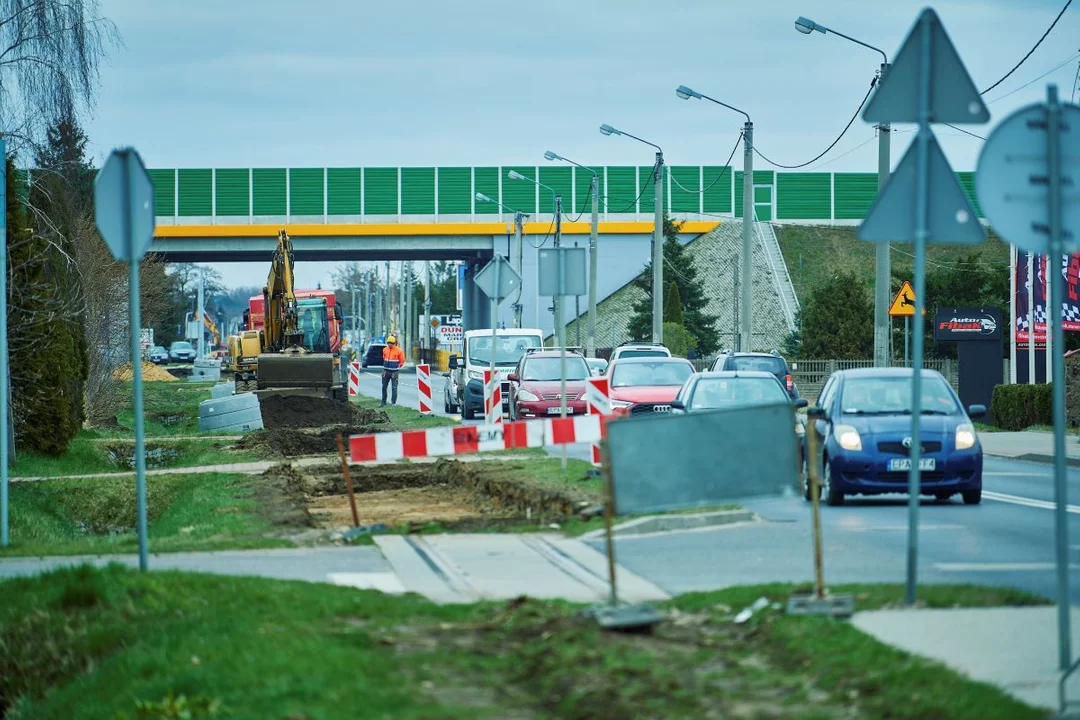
(475, 305)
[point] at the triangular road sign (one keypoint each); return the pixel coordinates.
(952, 219)
(904, 302)
(953, 97)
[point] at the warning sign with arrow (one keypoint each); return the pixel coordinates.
(904, 303)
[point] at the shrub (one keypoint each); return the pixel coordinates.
(1016, 407)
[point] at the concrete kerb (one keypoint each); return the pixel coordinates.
(673, 522)
(1034, 457)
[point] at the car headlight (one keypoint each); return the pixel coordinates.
(848, 437)
(965, 436)
(476, 375)
(620, 404)
(526, 396)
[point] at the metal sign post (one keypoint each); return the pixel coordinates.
(497, 280)
(1026, 180)
(124, 206)
(927, 83)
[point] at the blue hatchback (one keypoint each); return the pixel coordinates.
(866, 431)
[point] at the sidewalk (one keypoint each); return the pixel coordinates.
(1031, 445)
(1012, 648)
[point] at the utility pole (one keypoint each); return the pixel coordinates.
(200, 348)
(556, 301)
(593, 265)
(386, 302)
(410, 337)
(519, 218)
(427, 312)
(401, 302)
(882, 272)
(745, 280)
(658, 251)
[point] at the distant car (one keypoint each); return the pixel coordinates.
(182, 351)
(646, 384)
(597, 366)
(636, 349)
(866, 431)
(768, 362)
(158, 355)
(535, 385)
(373, 356)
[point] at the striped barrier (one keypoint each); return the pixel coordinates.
(493, 412)
(354, 379)
(597, 402)
(423, 387)
(466, 439)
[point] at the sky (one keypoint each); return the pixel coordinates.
(273, 83)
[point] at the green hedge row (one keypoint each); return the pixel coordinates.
(1016, 407)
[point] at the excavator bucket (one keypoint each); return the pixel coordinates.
(314, 371)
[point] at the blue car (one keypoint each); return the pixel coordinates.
(866, 432)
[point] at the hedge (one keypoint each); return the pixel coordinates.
(1018, 407)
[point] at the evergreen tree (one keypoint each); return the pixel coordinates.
(837, 320)
(673, 305)
(680, 268)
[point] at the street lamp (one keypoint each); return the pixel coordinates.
(746, 266)
(556, 301)
(519, 219)
(594, 190)
(658, 234)
(882, 258)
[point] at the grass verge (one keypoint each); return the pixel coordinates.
(111, 640)
(87, 454)
(97, 516)
(404, 418)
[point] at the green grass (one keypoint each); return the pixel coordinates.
(185, 512)
(169, 409)
(404, 418)
(815, 253)
(96, 643)
(89, 453)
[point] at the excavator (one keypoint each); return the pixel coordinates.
(291, 353)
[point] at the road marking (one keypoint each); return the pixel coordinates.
(999, 567)
(1017, 474)
(383, 582)
(904, 528)
(1028, 502)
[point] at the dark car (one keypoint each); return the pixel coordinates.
(766, 362)
(866, 436)
(158, 355)
(373, 356)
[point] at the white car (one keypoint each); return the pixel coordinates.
(635, 349)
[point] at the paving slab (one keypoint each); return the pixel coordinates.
(1031, 445)
(1012, 648)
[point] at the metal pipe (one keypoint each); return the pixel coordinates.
(658, 250)
(882, 257)
(594, 189)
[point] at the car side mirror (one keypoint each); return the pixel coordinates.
(677, 405)
(976, 411)
(816, 413)
(512, 377)
(454, 362)
(802, 402)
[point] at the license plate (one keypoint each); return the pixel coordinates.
(905, 464)
(557, 411)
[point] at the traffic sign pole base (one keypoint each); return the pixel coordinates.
(838, 606)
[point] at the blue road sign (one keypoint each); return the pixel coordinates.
(124, 205)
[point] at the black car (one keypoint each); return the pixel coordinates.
(766, 362)
(373, 356)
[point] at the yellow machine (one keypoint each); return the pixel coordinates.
(289, 353)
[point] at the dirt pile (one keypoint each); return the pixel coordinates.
(300, 411)
(150, 373)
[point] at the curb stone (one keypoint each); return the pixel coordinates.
(667, 523)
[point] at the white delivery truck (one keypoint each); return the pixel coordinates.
(465, 384)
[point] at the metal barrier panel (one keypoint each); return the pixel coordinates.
(660, 462)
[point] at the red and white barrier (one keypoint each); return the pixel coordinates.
(493, 413)
(354, 379)
(423, 387)
(597, 402)
(465, 439)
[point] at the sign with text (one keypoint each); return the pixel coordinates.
(1070, 270)
(967, 324)
(450, 334)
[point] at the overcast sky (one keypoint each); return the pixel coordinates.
(206, 83)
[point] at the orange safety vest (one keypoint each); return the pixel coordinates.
(393, 352)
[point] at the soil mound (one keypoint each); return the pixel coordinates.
(150, 373)
(300, 411)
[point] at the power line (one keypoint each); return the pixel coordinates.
(727, 166)
(845, 154)
(843, 132)
(964, 131)
(1031, 82)
(1036, 45)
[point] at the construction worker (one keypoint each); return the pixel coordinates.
(393, 359)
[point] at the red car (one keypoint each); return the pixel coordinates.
(535, 385)
(646, 384)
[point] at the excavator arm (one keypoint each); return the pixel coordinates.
(281, 326)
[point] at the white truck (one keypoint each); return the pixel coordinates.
(465, 381)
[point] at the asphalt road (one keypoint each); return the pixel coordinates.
(1007, 540)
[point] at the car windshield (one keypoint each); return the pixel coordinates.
(508, 348)
(158, 349)
(660, 372)
(643, 353)
(181, 346)
(546, 369)
(721, 392)
(892, 395)
(762, 363)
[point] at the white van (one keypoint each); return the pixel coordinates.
(465, 386)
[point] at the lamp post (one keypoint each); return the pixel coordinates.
(882, 356)
(658, 234)
(519, 220)
(746, 268)
(556, 302)
(594, 190)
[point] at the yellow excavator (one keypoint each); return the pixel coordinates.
(291, 353)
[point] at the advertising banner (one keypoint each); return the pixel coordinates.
(1069, 267)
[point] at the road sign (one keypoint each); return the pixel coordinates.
(904, 303)
(562, 271)
(124, 205)
(951, 217)
(1011, 178)
(953, 97)
(497, 279)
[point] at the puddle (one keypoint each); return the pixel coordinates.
(157, 456)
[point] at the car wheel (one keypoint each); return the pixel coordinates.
(467, 412)
(832, 495)
(806, 480)
(446, 403)
(972, 497)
